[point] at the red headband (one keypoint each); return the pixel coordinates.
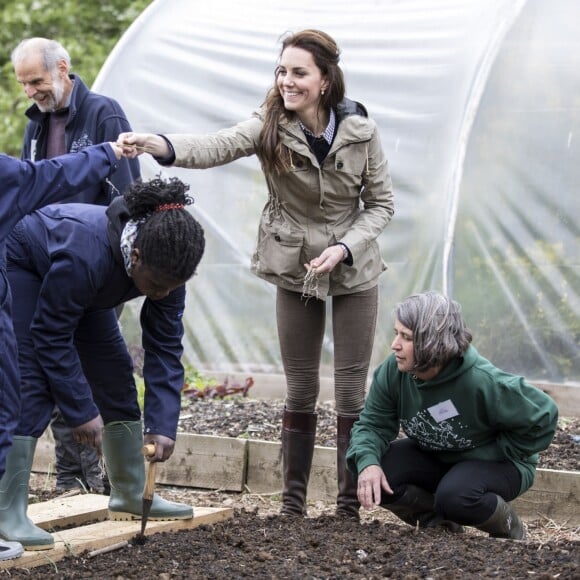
(165, 206)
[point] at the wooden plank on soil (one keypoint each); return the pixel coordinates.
(206, 461)
(69, 511)
(555, 495)
(74, 541)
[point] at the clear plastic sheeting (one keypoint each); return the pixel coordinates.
(478, 105)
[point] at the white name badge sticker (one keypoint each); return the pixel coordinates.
(443, 411)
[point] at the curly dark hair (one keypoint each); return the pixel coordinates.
(170, 240)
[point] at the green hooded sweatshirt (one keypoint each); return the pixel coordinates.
(470, 410)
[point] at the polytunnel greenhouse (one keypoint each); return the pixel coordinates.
(478, 105)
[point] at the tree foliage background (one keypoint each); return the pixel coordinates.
(88, 30)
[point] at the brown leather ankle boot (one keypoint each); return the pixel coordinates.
(298, 434)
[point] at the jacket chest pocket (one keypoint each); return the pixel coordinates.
(344, 174)
(350, 161)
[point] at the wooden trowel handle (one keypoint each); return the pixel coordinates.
(148, 451)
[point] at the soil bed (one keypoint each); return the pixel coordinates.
(258, 544)
(262, 419)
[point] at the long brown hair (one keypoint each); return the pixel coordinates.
(274, 157)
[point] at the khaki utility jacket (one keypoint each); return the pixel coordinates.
(347, 199)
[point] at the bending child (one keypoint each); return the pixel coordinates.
(69, 266)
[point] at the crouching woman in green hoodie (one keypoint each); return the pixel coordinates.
(473, 431)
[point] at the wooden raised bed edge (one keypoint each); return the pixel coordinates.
(229, 464)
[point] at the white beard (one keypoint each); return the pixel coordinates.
(54, 99)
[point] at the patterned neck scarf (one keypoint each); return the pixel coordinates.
(128, 237)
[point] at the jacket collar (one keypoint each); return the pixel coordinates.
(351, 120)
(347, 107)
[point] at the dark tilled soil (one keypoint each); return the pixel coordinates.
(256, 543)
(249, 546)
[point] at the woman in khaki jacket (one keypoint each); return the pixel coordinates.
(329, 198)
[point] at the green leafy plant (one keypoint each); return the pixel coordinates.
(196, 381)
(195, 386)
(200, 388)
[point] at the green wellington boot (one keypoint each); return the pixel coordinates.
(122, 444)
(15, 525)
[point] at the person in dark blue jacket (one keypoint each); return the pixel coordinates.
(65, 116)
(69, 266)
(26, 186)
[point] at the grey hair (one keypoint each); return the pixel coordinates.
(51, 52)
(439, 331)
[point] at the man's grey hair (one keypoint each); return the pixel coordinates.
(51, 52)
(439, 331)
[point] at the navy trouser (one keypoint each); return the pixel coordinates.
(9, 376)
(465, 492)
(105, 360)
